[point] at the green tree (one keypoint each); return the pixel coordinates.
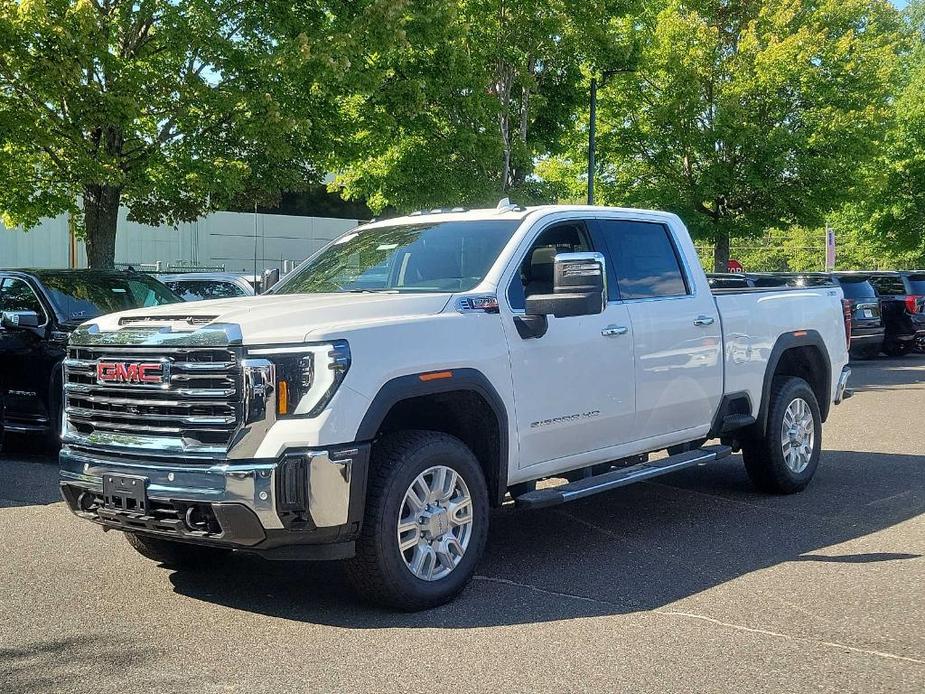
(170, 108)
(745, 116)
(477, 91)
(888, 212)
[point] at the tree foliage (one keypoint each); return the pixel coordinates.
(743, 116)
(169, 108)
(888, 212)
(480, 89)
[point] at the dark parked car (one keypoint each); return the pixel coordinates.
(199, 286)
(39, 310)
(867, 330)
(903, 299)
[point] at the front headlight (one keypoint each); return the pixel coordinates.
(304, 378)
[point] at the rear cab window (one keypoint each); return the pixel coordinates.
(646, 262)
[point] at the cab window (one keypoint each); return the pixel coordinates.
(645, 260)
(16, 295)
(535, 275)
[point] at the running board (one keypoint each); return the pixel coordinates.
(542, 498)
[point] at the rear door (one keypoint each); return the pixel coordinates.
(677, 332)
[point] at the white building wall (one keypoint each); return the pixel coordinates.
(221, 238)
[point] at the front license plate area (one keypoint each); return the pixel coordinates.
(125, 493)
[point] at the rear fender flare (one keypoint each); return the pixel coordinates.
(788, 341)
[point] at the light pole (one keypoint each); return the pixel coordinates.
(592, 133)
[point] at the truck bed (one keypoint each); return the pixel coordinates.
(753, 318)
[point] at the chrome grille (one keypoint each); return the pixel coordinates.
(201, 403)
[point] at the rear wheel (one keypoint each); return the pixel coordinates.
(865, 352)
(176, 555)
(785, 459)
(897, 349)
(426, 521)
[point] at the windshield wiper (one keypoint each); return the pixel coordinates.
(372, 291)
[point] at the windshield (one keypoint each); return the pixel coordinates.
(79, 296)
(432, 257)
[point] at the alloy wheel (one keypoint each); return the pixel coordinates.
(798, 435)
(435, 523)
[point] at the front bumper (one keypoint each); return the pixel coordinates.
(304, 504)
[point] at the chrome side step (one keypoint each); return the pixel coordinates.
(542, 498)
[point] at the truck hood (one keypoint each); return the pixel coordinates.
(272, 319)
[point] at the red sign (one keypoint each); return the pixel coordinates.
(147, 373)
(733, 265)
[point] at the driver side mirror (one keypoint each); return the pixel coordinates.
(579, 288)
(13, 320)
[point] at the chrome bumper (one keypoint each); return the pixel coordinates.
(271, 489)
(841, 388)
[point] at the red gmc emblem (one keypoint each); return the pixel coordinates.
(153, 373)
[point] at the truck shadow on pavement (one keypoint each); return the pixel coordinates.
(639, 548)
(27, 477)
(43, 666)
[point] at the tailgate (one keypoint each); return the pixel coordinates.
(865, 313)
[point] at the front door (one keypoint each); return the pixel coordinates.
(25, 368)
(574, 385)
(677, 331)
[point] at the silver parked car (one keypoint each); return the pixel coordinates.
(199, 286)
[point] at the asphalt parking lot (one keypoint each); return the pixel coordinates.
(691, 583)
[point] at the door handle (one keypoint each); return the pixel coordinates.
(614, 330)
(704, 320)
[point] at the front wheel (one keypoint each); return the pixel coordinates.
(426, 521)
(785, 459)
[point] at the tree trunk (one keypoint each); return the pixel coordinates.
(721, 251)
(101, 214)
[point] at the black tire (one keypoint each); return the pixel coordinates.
(378, 572)
(176, 555)
(764, 457)
(864, 353)
(897, 349)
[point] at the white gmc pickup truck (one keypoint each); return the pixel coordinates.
(418, 371)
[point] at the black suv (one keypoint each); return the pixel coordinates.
(867, 328)
(903, 297)
(39, 310)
